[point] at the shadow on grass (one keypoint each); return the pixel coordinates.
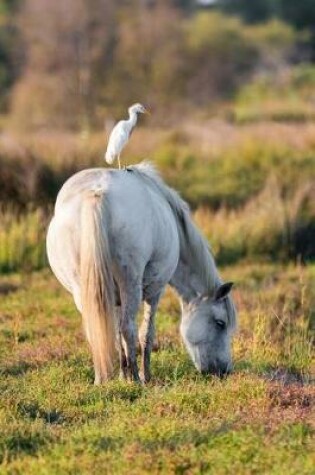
(34, 357)
(188, 436)
(34, 411)
(170, 372)
(151, 442)
(7, 288)
(280, 374)
(16, 369)
(112, 391)
(20, 442)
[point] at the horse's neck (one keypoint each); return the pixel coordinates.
(189, 284)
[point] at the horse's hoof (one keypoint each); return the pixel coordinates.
(122, 376)
(145, 379)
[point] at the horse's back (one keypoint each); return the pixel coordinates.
(83, 181)
(140, 225)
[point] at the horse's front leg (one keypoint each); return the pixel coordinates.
(146, 336)
(128, 330)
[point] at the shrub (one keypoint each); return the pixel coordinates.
(286, 95)
(235, 175)
(22, 240)
(269, 226)
(220, 56)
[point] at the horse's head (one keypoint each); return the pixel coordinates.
(207, 327)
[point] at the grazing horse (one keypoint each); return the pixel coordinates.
(118, 238)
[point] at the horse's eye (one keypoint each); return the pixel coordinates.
(220, 324)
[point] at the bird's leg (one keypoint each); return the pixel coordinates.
(118, 158)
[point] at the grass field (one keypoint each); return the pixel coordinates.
(251, 188)
(258, 420)
(231, 88)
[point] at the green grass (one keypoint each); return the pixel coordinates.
(283, 97)
(22, 239)
(252, 185)
(53, 420)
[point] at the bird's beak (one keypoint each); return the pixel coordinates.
(147, 112)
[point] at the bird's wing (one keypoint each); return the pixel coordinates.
(117, 139)
(131, 129)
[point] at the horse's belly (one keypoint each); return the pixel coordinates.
(163, 262)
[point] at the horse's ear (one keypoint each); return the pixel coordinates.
(223, 290)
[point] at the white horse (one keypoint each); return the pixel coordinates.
(118, 238)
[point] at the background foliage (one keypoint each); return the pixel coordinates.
(231, 85)
(74, 63)
(232, 91)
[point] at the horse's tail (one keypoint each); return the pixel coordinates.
(97, 285)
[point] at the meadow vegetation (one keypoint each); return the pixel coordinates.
(106, 56)
(231, 88)
(256, 207)
(258, 420)
(251, 187)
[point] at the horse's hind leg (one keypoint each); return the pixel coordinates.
(120, 345)
(130, 302)
(146, 335)
(123, 365)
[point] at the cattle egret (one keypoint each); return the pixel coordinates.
(121, 133)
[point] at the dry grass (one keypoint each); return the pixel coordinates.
(259, 420)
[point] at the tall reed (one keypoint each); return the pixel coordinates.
(22, 239)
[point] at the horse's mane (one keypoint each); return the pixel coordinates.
(194, 248)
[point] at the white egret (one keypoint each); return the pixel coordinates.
(121, 133)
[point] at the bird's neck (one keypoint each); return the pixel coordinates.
(133, 117)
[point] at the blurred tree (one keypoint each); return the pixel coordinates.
(68, 52)
(256, 11)
(85, 61)
(275, 41)
(183, 4)
(8, 46)
(300, 13)
(148, 61)
(220, 56)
